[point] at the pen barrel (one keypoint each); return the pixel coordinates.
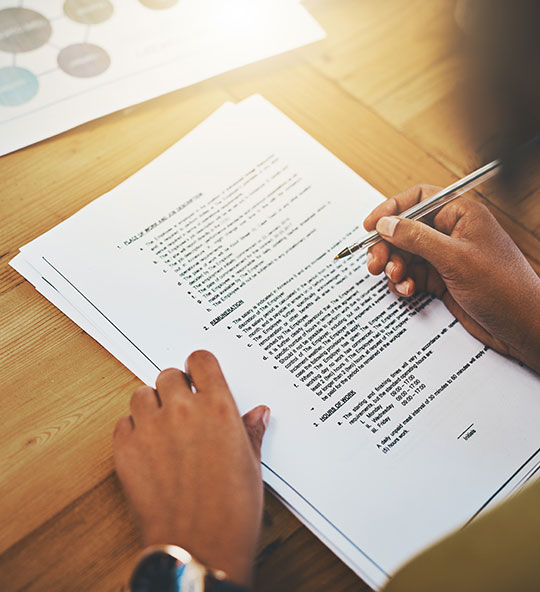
(436, 201)
(452, 192)
(371, 239)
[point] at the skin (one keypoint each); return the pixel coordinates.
(469, 262)
(190, 465)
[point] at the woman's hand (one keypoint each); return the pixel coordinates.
(467, 260)
(190, 466)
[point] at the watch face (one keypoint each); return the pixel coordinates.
(160, 572)
(157, 571)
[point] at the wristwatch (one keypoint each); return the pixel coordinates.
(168, 568)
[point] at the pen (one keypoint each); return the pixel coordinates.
(431, 204)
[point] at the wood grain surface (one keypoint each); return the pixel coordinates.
(382, 92)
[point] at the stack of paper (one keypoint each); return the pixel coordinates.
(390, 424)
(68, 62)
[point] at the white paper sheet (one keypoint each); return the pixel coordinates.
(390, 424)
(65, 63)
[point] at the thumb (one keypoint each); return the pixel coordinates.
(417, 238)
(256, 422)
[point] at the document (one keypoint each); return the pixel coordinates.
(66, 62)
(391, 425)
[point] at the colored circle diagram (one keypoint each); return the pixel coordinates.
(17, 86)
(158, 4)
(88, 12)
(22, 30)
(83, 60)
(25, 30)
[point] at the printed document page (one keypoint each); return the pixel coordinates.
(390, 425)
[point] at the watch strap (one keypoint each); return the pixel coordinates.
(215, 585)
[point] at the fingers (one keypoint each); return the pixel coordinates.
(205, 372)
(124, 427)
(143, 401)
(172, 383)
(421, 277)
(205, 375)
(450, 218)
(405, 288)
(416, 238)
(377, 257)
(411, 196)
(396, 268)
(399, 203)
(394, 263)
(256, 421)
(386, 208)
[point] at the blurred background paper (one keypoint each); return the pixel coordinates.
(63, 63)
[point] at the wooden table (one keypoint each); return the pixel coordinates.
(380, 92)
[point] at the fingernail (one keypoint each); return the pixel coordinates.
(266, 417)
(369, 259)
(403, 288)
(390, 266)
(387, 226)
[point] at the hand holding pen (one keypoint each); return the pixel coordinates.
(424, 207)
(436, 201)
(469, 262)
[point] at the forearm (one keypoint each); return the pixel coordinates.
(530, 353)
(527, 319)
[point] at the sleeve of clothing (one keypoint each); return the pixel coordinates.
(497, 552)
